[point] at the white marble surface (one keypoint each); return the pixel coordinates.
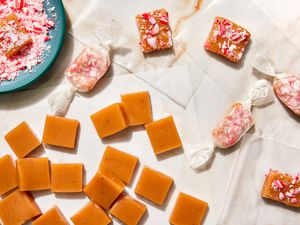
(215, 84)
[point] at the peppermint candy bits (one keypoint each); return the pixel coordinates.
(234, 125)
(87, 69)
(13, 36)
(228, 39)
(155, 33)
(287, 88)
(282, 187)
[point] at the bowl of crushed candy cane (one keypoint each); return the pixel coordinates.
(31, 36)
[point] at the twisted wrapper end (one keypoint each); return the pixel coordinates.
(200, 157)
(264, 64)
(261, 93)
(59, 102)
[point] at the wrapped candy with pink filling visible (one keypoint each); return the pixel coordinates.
(236, 122)
(286, 85)
(87, 69)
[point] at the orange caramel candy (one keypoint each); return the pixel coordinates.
(34, 174)
(153, 185)
(109, 120)
(228, 39)
(22, 140)
(66, 177)
(155, 33)
(163, 135)
(17, 208)
(60, 131)
(137, 108)
(104, 189)
(128, 210)
(281, 187)
(14, 36)
(52, 217)
(8, 174)
(188, 210)
(118, 163)
(91, 214)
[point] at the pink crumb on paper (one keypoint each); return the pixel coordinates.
(32, 16)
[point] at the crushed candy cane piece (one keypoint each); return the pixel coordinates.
(32, 18)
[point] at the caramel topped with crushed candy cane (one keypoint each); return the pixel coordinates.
(234, 125)
(13, 36)
(227, 39)
(282, 187)
(155, 33)
(287, 89)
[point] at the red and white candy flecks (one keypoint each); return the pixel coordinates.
(232, 128)
(227, 38)
(154, 30)
(287, 186)
(32, 16)
(287, 89)
(88, 68)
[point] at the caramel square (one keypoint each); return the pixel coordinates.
(163, 135)
(104, 189)
(51, 217)
(60, 131)
(118, 163)
(282, 187)
(22, 140)
(128, 210)
(91, 214)
(188, 210)
(228, 39)
(8, 174)
(34, 174)
(154, 29)
(17, 208)
(66, 177)
(137, 108)
(153, 185)
(13, 36)
(109, 120)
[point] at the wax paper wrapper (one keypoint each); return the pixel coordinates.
(236, 122)
(32, 107)
(286, 85)
(88, 68)
(243, 203)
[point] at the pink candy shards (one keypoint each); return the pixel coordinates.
(24, 36)
(232, 128)
(155, 33)
(228, 39)
(287, 89)
(88, 68)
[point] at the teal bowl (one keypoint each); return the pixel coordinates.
(25, 78)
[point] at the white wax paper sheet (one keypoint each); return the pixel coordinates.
(32, 106)
(225, 82)
(243, 203)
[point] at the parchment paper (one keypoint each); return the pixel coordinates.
(243, 203)
(32, 107)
